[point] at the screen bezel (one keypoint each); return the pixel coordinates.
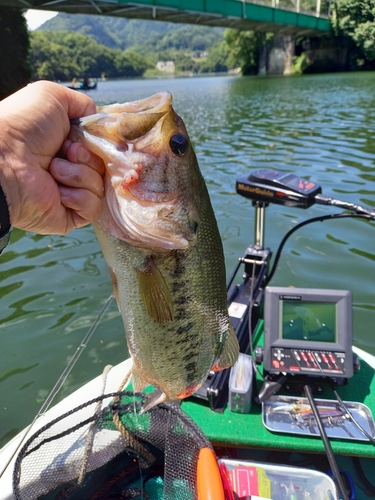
(344, 334)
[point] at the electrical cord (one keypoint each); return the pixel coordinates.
(327, 445)
(352, 419)
(304, 223)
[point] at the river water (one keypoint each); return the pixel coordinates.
(319, 127)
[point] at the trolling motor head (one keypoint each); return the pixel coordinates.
(283, 188)
(271, 186)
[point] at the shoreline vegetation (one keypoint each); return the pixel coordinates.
(78, 45)
(81, 46)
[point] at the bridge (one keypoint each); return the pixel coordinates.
(238, 14)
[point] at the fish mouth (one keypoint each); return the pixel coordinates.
(127, 121)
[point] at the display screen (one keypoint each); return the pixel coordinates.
(310, 321)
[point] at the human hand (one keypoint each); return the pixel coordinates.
(47, 194)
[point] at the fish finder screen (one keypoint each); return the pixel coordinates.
(310, 321)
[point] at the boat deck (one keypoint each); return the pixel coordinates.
(231, 429)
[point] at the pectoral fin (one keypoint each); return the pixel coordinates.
(155, 293)
(229, 354)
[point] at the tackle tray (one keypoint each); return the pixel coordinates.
(293, 415)
(262, 481)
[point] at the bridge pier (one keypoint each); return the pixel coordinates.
(276, 58)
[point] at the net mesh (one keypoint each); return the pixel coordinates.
(108, 449)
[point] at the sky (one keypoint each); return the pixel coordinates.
(35, 18)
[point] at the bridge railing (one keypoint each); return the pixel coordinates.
(319, 8)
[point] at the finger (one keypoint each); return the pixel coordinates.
(77, 175)
(85, 205)
(64, 148)
(76, 153)
(77, 104)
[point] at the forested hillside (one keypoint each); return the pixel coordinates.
(121, 33)
(70, 46)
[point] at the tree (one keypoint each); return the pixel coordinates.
(184, 63)
(14, 43)
(216, 60)
(60, 55)
(356, 20)
(129, 63)
(244, 49)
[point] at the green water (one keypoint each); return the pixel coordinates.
(319, 127)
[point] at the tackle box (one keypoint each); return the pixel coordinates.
(259, 481)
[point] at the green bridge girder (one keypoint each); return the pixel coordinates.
(238, 14)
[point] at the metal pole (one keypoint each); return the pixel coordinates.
(260, 221)
(298, 5)
(318, 2)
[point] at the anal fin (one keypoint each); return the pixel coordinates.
(154, 399)
(229, 354)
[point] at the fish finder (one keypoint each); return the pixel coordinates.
(308, 332)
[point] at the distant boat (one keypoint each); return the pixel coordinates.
(83, 85)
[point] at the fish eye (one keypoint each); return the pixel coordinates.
(178, 144)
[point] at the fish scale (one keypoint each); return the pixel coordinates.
(161, 242)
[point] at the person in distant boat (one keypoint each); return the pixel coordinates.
(48, 185)
(86, 82)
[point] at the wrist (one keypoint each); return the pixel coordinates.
(9, 185)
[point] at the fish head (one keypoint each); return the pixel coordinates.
(152, 176)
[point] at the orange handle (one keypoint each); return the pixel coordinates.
(210, 486)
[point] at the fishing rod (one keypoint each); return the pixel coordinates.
(61, 380)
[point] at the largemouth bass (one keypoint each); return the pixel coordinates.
(160, 238)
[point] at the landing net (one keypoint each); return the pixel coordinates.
(106, 449)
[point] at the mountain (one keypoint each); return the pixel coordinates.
(122, 33)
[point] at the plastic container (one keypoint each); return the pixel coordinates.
(241, 384)
(257, 480)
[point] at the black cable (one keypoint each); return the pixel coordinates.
(327, 445)
(350, 416)
(304, 223)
